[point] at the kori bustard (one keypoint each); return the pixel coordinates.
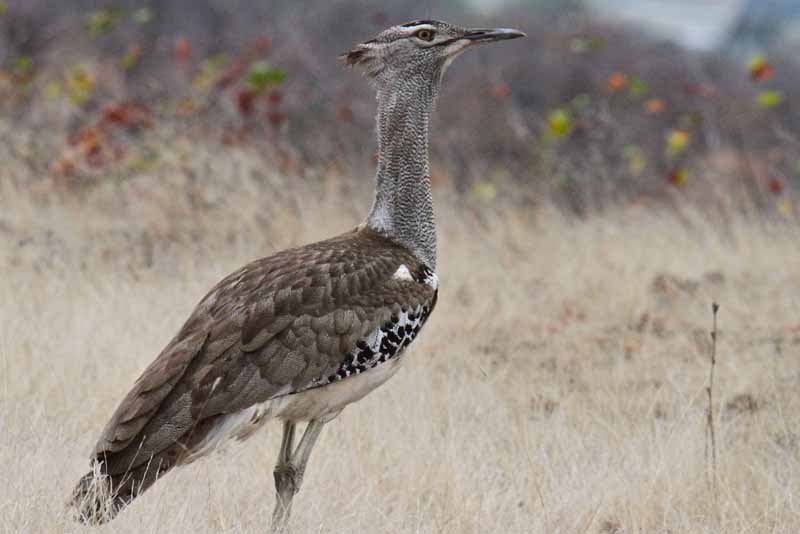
(299, 335)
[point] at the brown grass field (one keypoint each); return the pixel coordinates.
(558, 388)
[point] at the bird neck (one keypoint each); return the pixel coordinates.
(403, 205)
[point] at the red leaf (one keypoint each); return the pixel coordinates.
(231, 75)
(127, 114)
(261, 45)
(87, 140)
(94, 156)
(274, 97)
(678, 177)
(762, 73)
(702, 89)
(245, 102)
(775, 185)
(344, 113)
(760, 69)
(183, 49)
(276, 118)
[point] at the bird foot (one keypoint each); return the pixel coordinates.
(288, 479)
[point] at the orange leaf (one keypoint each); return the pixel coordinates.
(654, 106)
(678, 177)
(87, 140)
(65, 166)
(677, 141)
(760, 69)
(617, 81)
(500, 91)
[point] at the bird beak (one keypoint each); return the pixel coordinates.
(491, 35)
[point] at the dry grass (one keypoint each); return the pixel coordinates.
(559, 387)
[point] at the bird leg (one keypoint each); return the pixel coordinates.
(289, 470)
(284, 479)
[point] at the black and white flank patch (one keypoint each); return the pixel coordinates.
(386, 343)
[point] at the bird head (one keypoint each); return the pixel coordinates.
(419, 47)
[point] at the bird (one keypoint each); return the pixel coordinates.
(298, 335)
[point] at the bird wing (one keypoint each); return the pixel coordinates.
(299, 319)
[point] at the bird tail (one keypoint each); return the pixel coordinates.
(92, 500)
(98, 497)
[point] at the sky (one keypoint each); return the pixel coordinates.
(697, 24)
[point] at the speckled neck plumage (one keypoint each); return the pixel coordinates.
(403, 205)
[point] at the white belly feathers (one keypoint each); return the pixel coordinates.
(323, 403)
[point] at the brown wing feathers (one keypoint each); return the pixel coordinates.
(276, 326)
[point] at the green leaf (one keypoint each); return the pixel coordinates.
(143, 15)
(635, 156)
(52, 90)
(583, 45)
(637, 87)
(212, 65)
(132, 56)
(80, 83)
(581, 101)
(211, 68)
(102, 21)
(597, 43)
(3, 8)
(769, 99)
(483, 191)
(262, 76)
(691, 119)
(560, 122)
(23, 66)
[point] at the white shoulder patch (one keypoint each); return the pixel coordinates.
(402, 273)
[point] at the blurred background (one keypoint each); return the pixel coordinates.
(606, 102)
(597, 186)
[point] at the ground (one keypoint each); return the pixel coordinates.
(559, 387)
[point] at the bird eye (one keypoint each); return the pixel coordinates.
(425, 35)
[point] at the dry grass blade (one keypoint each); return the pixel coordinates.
(711, 446)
